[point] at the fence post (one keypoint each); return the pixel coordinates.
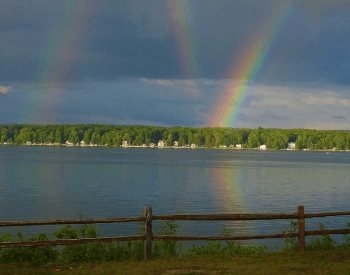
(301, 227)
(148, 233)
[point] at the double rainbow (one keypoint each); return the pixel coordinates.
(226, 110)
(59, 62)
(181, 16)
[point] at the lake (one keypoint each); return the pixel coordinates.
(45, 183)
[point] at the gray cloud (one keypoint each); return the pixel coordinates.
(103, 40)
(85, 61)
(340, 117)
(169, 103)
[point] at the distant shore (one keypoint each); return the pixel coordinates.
(168, 147)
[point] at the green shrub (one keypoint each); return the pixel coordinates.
(134, 250)
(231, 247)
(166, 248)
(90, 252)
(160, 249)
(346, 245)
(322, 242)
(34, 255)
(291, 243)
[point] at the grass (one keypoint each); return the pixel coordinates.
(321, 256)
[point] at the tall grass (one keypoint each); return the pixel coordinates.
(319, 242)
(228, 247)
(134, 250)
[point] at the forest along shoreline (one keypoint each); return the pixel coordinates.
(95, 135)
(174, 147)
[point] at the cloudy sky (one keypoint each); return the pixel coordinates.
(167, 63)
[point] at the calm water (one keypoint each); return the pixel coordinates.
(41, 183)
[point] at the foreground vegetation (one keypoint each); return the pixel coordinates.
(315, 262)
(321, 256)
(208, 137)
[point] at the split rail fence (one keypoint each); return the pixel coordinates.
(149, 237)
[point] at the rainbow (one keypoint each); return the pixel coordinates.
(230, 195)
(183, 30)
(227, 189)
(59, 63)
(226, 110)
(182, 25)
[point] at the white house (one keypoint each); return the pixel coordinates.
(151, 145)
(175, 143)
(291, 146)
(263, 147)
(193, 146)
(239, 146)
(222, 146)
(125, 143)
(82, 143)
(161, 144)
(69, 143)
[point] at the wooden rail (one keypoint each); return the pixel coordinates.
(81, 221)
(149, 237)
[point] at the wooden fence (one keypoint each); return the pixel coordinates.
(149, 237)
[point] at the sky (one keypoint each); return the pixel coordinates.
(196, 63)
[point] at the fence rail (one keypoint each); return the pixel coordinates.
(255, 216)
(81, 221)
(149, 237)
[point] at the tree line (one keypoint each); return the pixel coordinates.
(209, 137)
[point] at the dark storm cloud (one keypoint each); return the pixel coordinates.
(136, 39)
(168, 62)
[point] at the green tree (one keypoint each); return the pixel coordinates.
(197, 139)
(329, 142)
(209, 141)
(253, 139)
(340, 142)
(4, 135)
(107, 139)
(347, 145)
(147, 140)
(126, 137)
(299, 144)
(25, 135)
(310, 142)
(170, 140)
(66, 132)
(49, 137)
(238, 138)
(117, 140)
(189, 137)
(219, 139)
(181, 141)
(73, 137)
(40, 135)
(95, 138)
(87, 135)
(58, 136)
(138, 139)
